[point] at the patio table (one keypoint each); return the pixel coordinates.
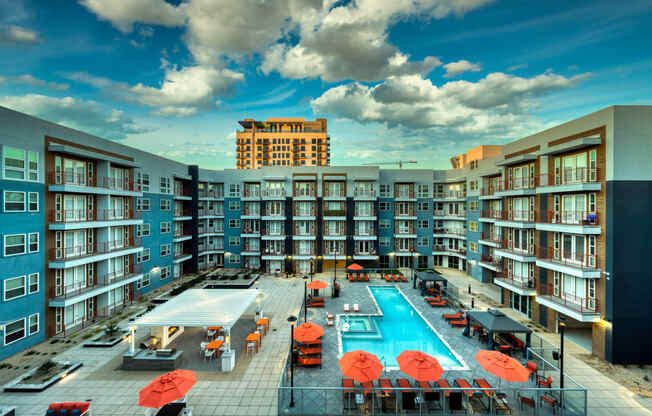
(263, 322)
(253, 337)
(215, 345)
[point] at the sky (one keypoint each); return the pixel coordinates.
(397, 79)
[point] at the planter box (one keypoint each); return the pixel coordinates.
(96, 343)
(15, 386)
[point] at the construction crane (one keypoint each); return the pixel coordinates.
(398, 162)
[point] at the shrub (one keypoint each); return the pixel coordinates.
(111, 328)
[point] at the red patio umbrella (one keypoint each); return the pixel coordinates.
(502, 366)
(167, 388)
(307, 332)
(317, 284)
(355, 267)
(420, 366)
(360, 366)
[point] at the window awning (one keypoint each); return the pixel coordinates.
(201, 307)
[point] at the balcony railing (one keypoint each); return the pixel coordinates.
(404, 194)
(570, 301)
(338, 253)
(250, 230)
(271, 251)
(339, 193)
(303, 232)
(402, 249)
(217, 230)
(360, 252)
(251, 248)
(491, 260)
(303, 192)
(70, 178)
(81, 251)
(572, 259)
(493, 237)
(251, 193)
(180, 191)
(182, 253)
(568, 217)
(569, 176)
(516, 281)
(211, 194)
(405, 213)
(450, 195)
(492, 189)
(366, 232)
(334, 213)
(449, 231)
(209, 247)
(444, 213)
(274, 193)
(519, 183)
(338, 232)
(458, 250)
(182, 213)
(496, 214)
(365, 212)
(216, 212)
(277, 231)
(250, 211)
(302, 251)
(514, 215)
(364, 193)
(79, 288)
(508, 245)
(83, 215)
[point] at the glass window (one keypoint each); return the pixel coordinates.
(165, 272)
(33, 201)
(33, 283)
(33, 323)
(14, 163)
(165, 250)
(165, 185)
(142, 204)
(234, 190)
(143, 181)
(14, 244)
(33, 166)
(165, 204)
(14, 201)
(33, 242)
(385, 224)
(165, 227)
(14, 331)
(144, 281)
(14, 288)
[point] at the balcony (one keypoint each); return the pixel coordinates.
(491, 262)
(308, 193)
(210, 230)
(491, 215)
(359, 193)
(251, 193)
(205, 212)
(491, 239)
(78, 252)
(303, 233)
(443, 214)
(273, 234)
(251, 231)
(208, 248)
(365, 233)
(517, 186)
(249, 212)
(510, 251)
(306, 213)
(516, 219)
(251, 250)
(517, 284)
(576, 222)
(181, 193)
(181, 235)
(334, 193)
(365, 213)
(334, 213)
(82, 218)
(182, 214)
(579, 308)
(304, 253)
(103, 185)
(405, 195)
(449, 233)
(276, 193)
(570, 180)
(62, 296)
(576, 264)
(365, 254)
(338, 254)
(213, 194)
(181, 255)
(450, 195)
(446, 250)
(405, 213)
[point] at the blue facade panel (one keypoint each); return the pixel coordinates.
(386, 216)
(424, 232)
(473, 258)
(233, 214)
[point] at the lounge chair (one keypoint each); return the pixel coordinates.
(402, 278)
(461, 322)
(462, 383)
(532, 368)
(455, 401)
(359, 277)
(544, 382)
(356, 307)
(443, 384)
(350, 277)
(387, 278)
(349, 394)
(483, 384)
(81, 407)
(308, 362)
(347, 308)
(318, 299)
(330, 321)
(435, 299)
(429, 395)
(388, 402)
(526, 401)
(309, 350)
(365, 277)
(395, 278)
(551, 400)
(314, 304)
(408, 396)
(438, 304)
(452, 316)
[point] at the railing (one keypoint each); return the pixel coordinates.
(304, 212)
(250, 248)
(513, 215)
(273, 213)
(577, 260)
(79, 288)
(399, 230)
(298, 231)
(370, 252)
(517, 281)
(334, 213)
(83, 215)
(273, 251)
(279, 232)
(508, 245)
(210, 247)
(211, 194)
(402, 249)
(70, 178)
(569, 176)
(216, 212)
(216, 230)
(492, 189)
(111, 309)
(182, 213)
(403, 213)
(364, 193)
(444, 213)
(338, 232)
(303, 192)
(76, 252)
(496, 214)
(251, 193)
(449, 231)
(252, 212)
(367, 232)
(182, 253)
(340, 193)
(519, 183)
(180, 191)
(302, 251)
(493, 237)
(365, 213)
(491, 260)
(250, 230)
(404, 194)
(450, 195)
(338, 253)
(274, 193)
(461, 251)
(568, 217)
(576, 303)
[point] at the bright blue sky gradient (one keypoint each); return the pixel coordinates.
(173, 78)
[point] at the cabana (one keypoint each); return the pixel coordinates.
(494, 321)
(430, 276)
(199, 308)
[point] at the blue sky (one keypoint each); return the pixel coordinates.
(399, 79)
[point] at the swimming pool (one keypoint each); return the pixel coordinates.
(398, 327)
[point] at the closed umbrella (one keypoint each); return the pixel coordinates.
(167, 388)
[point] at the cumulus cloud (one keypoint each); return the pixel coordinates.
(30, 80)
(491, 106)
(16, 35)
(124, 13)
(459, 67)
(89, 116)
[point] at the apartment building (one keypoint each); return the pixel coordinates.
(283, 141)
(558, 221)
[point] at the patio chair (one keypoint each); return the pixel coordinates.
(387, 278)
(330, 321)
(307, 362)
(452, 316)
(356, 307)
(439, 304)
(251, 347)
(366, 277)
(526, 401)
(388, 402)
(548, 398)
(544, 382)
(407, 396)
(443, 384)
(359, 277)
(209, 354)
(462, 383)
(347, 308)
(430, 396)
(210, 334)
(395, 278)
(402, 278)
(435, 299)
(349, 394)
(458, 323)
(202, 348)
(483, 384)
(350, 277)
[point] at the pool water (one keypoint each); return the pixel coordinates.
(357, 324)
(400, 328)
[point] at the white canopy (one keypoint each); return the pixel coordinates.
(201, 307)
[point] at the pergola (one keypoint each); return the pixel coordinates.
(494, 321)
(430, 276)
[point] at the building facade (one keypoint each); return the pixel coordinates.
(557, 221)
(289, 141)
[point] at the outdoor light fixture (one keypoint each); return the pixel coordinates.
(292, 320)
(305, 300)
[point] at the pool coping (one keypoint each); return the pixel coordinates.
(379, 313)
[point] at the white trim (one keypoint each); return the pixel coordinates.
(38, 283)
(38, 242)
(4, 288)
(4, 201)
(38, 324)
(38, 201)
(4, 246)
(4, 337)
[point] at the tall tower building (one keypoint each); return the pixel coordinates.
(283, 141)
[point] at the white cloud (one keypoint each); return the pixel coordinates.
(136, 44)
(16, 35)
(516, 67)
(89, 116)
(30, 80)
(461, 66)
(124, 13)
(146, 31)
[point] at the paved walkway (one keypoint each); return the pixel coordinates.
(605, 396)
(250, 390)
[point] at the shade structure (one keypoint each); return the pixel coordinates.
(308, 332)
(360, 366)
(167, 388)
(502, 366)
(317, 284)
(355, 267)
(420, 366)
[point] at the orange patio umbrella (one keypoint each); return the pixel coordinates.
(360, 366)
(317, 284)
(167, 388)
(307, 332)
(355, 267)
(502, 366)
(420, 366)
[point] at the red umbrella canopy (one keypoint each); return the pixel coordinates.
(420, 366)
(361, 366)
(502, 366)
(308, 332)
(317, 284)
(167, 388)
(355, 267)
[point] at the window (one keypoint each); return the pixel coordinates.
(166, 187)
(142, 230)
(14, 288)
(14, 331)
(142, 204)
(165, 250)
(234, 259)
(33, 242)
(165, 272)
(33, 282)
(165, 204)
(234, 205)
(423, 206)
(423, 191)
(165, 227)
(385, 190)
(143, 256)
(234, 190)
(14, 163)
(473, 247)
(234, 223)
(14, 244)
(33, 202)
(234, 241)
(33, 323)
(386, 224)
(32, 166)
(143, 282)
(473, 205)
(385, 206)
(422, 242)
(14, 201)
(473, 226)
(142, 179)
(473, 185)
(423, 223)
(384, 241)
